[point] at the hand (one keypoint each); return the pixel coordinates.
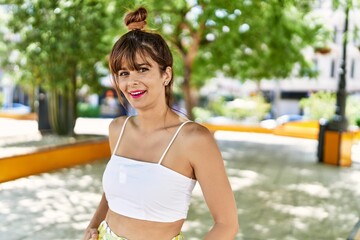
(91, 234)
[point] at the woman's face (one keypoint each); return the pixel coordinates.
(143, 88)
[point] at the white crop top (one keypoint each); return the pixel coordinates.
(144, 190)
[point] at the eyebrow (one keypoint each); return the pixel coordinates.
(136, 65)
(142, 64)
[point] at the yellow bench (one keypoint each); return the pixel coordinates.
(53, 158)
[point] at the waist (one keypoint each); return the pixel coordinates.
(130, 227)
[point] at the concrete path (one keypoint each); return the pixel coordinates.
(280, 189)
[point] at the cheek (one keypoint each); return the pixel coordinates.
(122, 86)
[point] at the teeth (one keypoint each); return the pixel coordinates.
(137, 93)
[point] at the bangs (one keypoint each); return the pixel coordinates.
(130, 56)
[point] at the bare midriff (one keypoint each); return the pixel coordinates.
(131, 228)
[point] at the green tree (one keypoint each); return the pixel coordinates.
(246, 39)
(60, 45)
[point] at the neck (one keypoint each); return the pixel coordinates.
(152, 120)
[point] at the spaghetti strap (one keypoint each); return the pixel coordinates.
(121, 133)
(172, 140)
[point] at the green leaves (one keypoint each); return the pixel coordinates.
(250, 39)
(244, 39)
(58, 35)
(59, 45)
(274, 42)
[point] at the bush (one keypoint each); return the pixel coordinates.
(201, 114)
(353, 110)
(1, 99)
(87, 110)
(254, 107)
(319, 105)
(358, 122)
(322, 105)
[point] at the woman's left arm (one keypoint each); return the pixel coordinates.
(209, 169)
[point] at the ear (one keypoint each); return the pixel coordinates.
(167, 74)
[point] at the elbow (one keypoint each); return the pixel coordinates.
(227, 231)
(232, 229)
(235, 229)
(234, 226)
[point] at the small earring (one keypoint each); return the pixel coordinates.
(166, 83)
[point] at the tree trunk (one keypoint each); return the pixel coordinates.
(189, 58)
(258, 87)
(189, 55)
(72, 110)
(187, 91)
(32, 94)
(58, 111)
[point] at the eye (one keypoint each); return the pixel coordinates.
(143, 69)
(123, 73)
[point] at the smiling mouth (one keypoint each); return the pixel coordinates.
(137, 94)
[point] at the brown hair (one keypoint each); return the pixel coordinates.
(140, 42)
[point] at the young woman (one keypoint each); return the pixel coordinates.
(157, 155)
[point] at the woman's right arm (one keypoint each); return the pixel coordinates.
(100, 214)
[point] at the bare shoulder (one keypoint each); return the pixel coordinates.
(114, 130)
(198, 138)
(195, 132)
(198, 145)
(116, 124)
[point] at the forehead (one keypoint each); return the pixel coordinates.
(133, 62)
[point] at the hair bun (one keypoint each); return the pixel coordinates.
(136, 19)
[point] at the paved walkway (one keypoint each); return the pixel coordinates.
(280, 189)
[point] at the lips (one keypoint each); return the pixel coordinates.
(137, 93)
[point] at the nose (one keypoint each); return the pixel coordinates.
(133, 80)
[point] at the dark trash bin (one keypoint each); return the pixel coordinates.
(323, 125)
